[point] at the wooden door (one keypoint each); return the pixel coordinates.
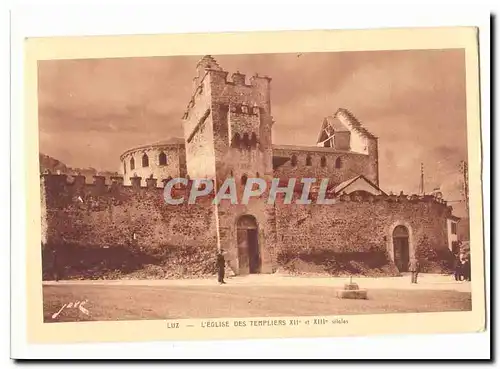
(243, 262)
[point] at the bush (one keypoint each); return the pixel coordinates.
(433, 259)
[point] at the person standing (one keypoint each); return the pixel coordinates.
(457, 268)
(467, 269)
(463, 267)
(221, 266)
(413, 267)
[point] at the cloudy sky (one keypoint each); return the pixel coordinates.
(90, 111)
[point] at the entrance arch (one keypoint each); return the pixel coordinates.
(401, 247)
(247, 234)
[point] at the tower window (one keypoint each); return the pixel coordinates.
(162, 158)
(246, 140)
(244, 179)
(124, 168)
(294, 160)
(338, 163)
(323, 161)
(132, 164)
(236, 140)
(308, 161)
(145, 160)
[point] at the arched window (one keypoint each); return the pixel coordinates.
(124, 168)
(253, 140)
(145, 160)
(294, 160)
(338, 163)
(162, 158)
(132, 164)
(323, 161)
(308, 161)
(244, 179)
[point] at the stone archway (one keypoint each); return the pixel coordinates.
(404, 236)
(249, 253)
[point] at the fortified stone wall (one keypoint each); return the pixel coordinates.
(89, 217)
(103, 228)
(109, 214)
(363, 225)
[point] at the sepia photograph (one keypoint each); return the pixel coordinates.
(261, 189)
(114, 132)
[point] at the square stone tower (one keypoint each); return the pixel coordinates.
(227, 131)
(227, 124)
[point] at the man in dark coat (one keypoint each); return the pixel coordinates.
(413, 267)
(221, 266)
(466, 269)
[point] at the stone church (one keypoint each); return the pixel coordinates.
(227, 128)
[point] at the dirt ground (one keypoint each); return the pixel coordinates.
(247, 297)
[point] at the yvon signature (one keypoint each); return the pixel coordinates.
(72, 305)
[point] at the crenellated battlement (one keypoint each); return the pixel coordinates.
(62, 183)
(401, 198)
(218, 78)
(238, 79)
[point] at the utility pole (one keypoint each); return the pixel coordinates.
(421, 187)
(465, 184)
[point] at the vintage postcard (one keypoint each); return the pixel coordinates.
(254, 185)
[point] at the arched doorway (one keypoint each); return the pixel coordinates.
(247, 234)
(400, 241)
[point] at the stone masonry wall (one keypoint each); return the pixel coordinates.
(364, 226)
(99, 219)
(198, 125)
(358, 226)
(111, 214)
(241, 108)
